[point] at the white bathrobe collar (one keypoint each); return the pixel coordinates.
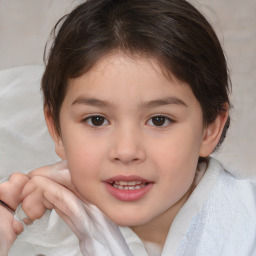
(183, 219)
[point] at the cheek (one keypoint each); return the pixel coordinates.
(176, 160)
(177, 150)
(81, 148)
(84, 165)
(84, 158)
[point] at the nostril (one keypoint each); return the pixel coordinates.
(127, 159)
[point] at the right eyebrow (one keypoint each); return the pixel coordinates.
(92, 102)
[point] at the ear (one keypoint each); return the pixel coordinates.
(59, 147)
(212, 133)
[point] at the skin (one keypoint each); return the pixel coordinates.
(128, 141)
(10, 192)
(128, 93)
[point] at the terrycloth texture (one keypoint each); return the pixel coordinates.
(226, 225)
(218, 219)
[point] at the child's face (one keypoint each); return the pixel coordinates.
(125, 121)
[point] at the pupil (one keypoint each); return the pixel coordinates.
(97, 120)
(158, 120)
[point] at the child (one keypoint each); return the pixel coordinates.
(136, 99)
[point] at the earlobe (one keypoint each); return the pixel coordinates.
(59, 147)
(212, 134)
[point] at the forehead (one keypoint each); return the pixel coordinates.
(119, 77)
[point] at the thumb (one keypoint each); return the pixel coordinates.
(66, 204)
(57, 172)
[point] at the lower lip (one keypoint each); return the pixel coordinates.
(128, 195)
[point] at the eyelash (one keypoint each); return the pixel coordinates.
(88, 120)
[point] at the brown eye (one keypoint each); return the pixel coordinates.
(96, 120)
(159, 121)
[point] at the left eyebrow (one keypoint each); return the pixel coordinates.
(163, 102)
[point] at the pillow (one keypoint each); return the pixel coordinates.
(24, 140)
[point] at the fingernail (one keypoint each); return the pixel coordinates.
(27, 221)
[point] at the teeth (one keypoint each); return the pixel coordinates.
(123, 183)
(128, 185)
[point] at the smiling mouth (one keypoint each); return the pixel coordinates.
(128, 188)
(129, 185)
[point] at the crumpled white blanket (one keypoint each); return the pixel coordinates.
(50, 236)
(25, 143)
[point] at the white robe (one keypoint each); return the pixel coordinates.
(218, 219)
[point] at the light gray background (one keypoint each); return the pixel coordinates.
(25, 27)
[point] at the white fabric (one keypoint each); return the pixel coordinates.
(50, 236)
(101, 236)
(25, 142)
(226, 225)
(218, 219)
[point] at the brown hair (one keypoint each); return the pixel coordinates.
(171, 31)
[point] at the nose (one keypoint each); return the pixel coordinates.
(127, 147)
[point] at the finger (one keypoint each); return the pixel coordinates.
(40, 193)
(8, 233)
(17, 227)
(64, 201)
(49, 170)
(62, 198)
(34, 203)
(57, 172)
(34, 206)
(6, 206)
(10, 191)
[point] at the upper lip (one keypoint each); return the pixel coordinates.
(127, 178)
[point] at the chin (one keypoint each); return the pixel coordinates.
(129, 220)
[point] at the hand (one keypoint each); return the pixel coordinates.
(52, 188)
(11, 194)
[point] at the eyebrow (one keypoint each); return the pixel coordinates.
(145, 105)
(162, 102)
(92, 102)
